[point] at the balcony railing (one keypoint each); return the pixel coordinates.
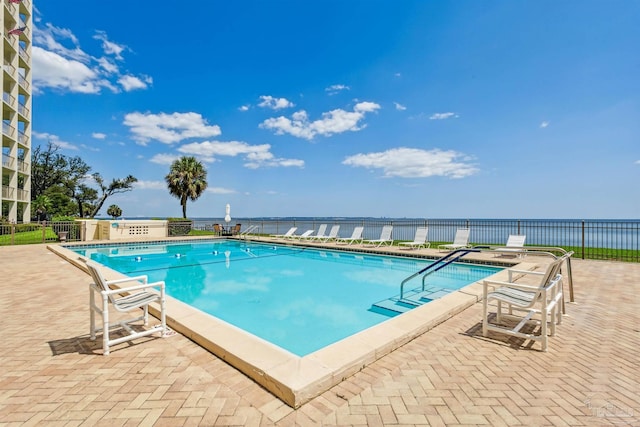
(24, 167)
(8, 161)
(22, 109)
(9, 68)
(7, 192)
(23, 195)
(8, 130)
(24, 82)
(8, 98)
(22, 138)
(23, 54)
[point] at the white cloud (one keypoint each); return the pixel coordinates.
(98, 135)
(443, 116)
(130, 83)
(334, 89)
(54, 71)
(150, 185)
(544, 124)
(164, 159)
(256, 156)
(54, 139)
(243, 108)
(109, 47)
(415, 163)
(275, 103)
(220, 190)
(397, 75)
(399, 106)
(58, 62)
(332, 122)
(168, 128)
(637, 162)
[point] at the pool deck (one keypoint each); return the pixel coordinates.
(53, 374)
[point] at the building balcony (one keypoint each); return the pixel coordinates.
(10, 69)
(23, 195)
(23, 139)
(24, 83)
(7, 192)
(24, 55)
(8, 130)
(8, 161)
(8, 98)
(24, 167)
(23, 110)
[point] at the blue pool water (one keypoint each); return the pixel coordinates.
(301, 299)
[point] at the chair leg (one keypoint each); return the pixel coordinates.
(485, 330)
(92, 314)
(105, 323)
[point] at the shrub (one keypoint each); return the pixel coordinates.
(179, 226)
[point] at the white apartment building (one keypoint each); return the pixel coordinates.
(17, 30)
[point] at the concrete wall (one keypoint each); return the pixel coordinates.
(124, 229)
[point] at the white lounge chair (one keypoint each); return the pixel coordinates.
(461, 240)
(515, 243)
(249, 230)
(304, 235)
(356, 237)
(419, 240)
(333, 233)
(321, 230)
(385, 237)
(286, 235)
(541, 298)
(138, 296)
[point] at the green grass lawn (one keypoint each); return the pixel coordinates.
(29, 237)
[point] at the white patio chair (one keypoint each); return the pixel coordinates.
(419, 240)
(541, 298)
(123, 299)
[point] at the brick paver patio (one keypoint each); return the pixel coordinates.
(52, 374)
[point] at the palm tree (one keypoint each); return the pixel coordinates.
(187, 179)
(42, 204)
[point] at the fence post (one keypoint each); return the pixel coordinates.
(13, 233)
(583, 239)
(44, 232)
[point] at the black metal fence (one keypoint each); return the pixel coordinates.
(589, 239)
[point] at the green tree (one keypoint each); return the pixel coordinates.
(114, 211)
(187, 180)
(41, 206)
(116, 186)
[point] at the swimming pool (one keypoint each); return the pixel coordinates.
(300, 299)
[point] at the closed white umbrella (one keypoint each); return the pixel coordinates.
(227, 216)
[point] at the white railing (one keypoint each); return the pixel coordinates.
(22, 138)
(23, 195)
(23, 82)
(8, 98)
(22, 109)
(7, 161)
(23, 167)
(10, 68)
(8, 130)
(7, 192)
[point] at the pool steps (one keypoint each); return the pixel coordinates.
(412, 299)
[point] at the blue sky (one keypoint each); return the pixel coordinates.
(429, 109)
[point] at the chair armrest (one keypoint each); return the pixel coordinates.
(513, 285)
(515, 271)
(159, 284)
(142, 279)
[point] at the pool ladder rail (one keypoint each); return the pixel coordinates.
(413, 298)
(422, 295)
